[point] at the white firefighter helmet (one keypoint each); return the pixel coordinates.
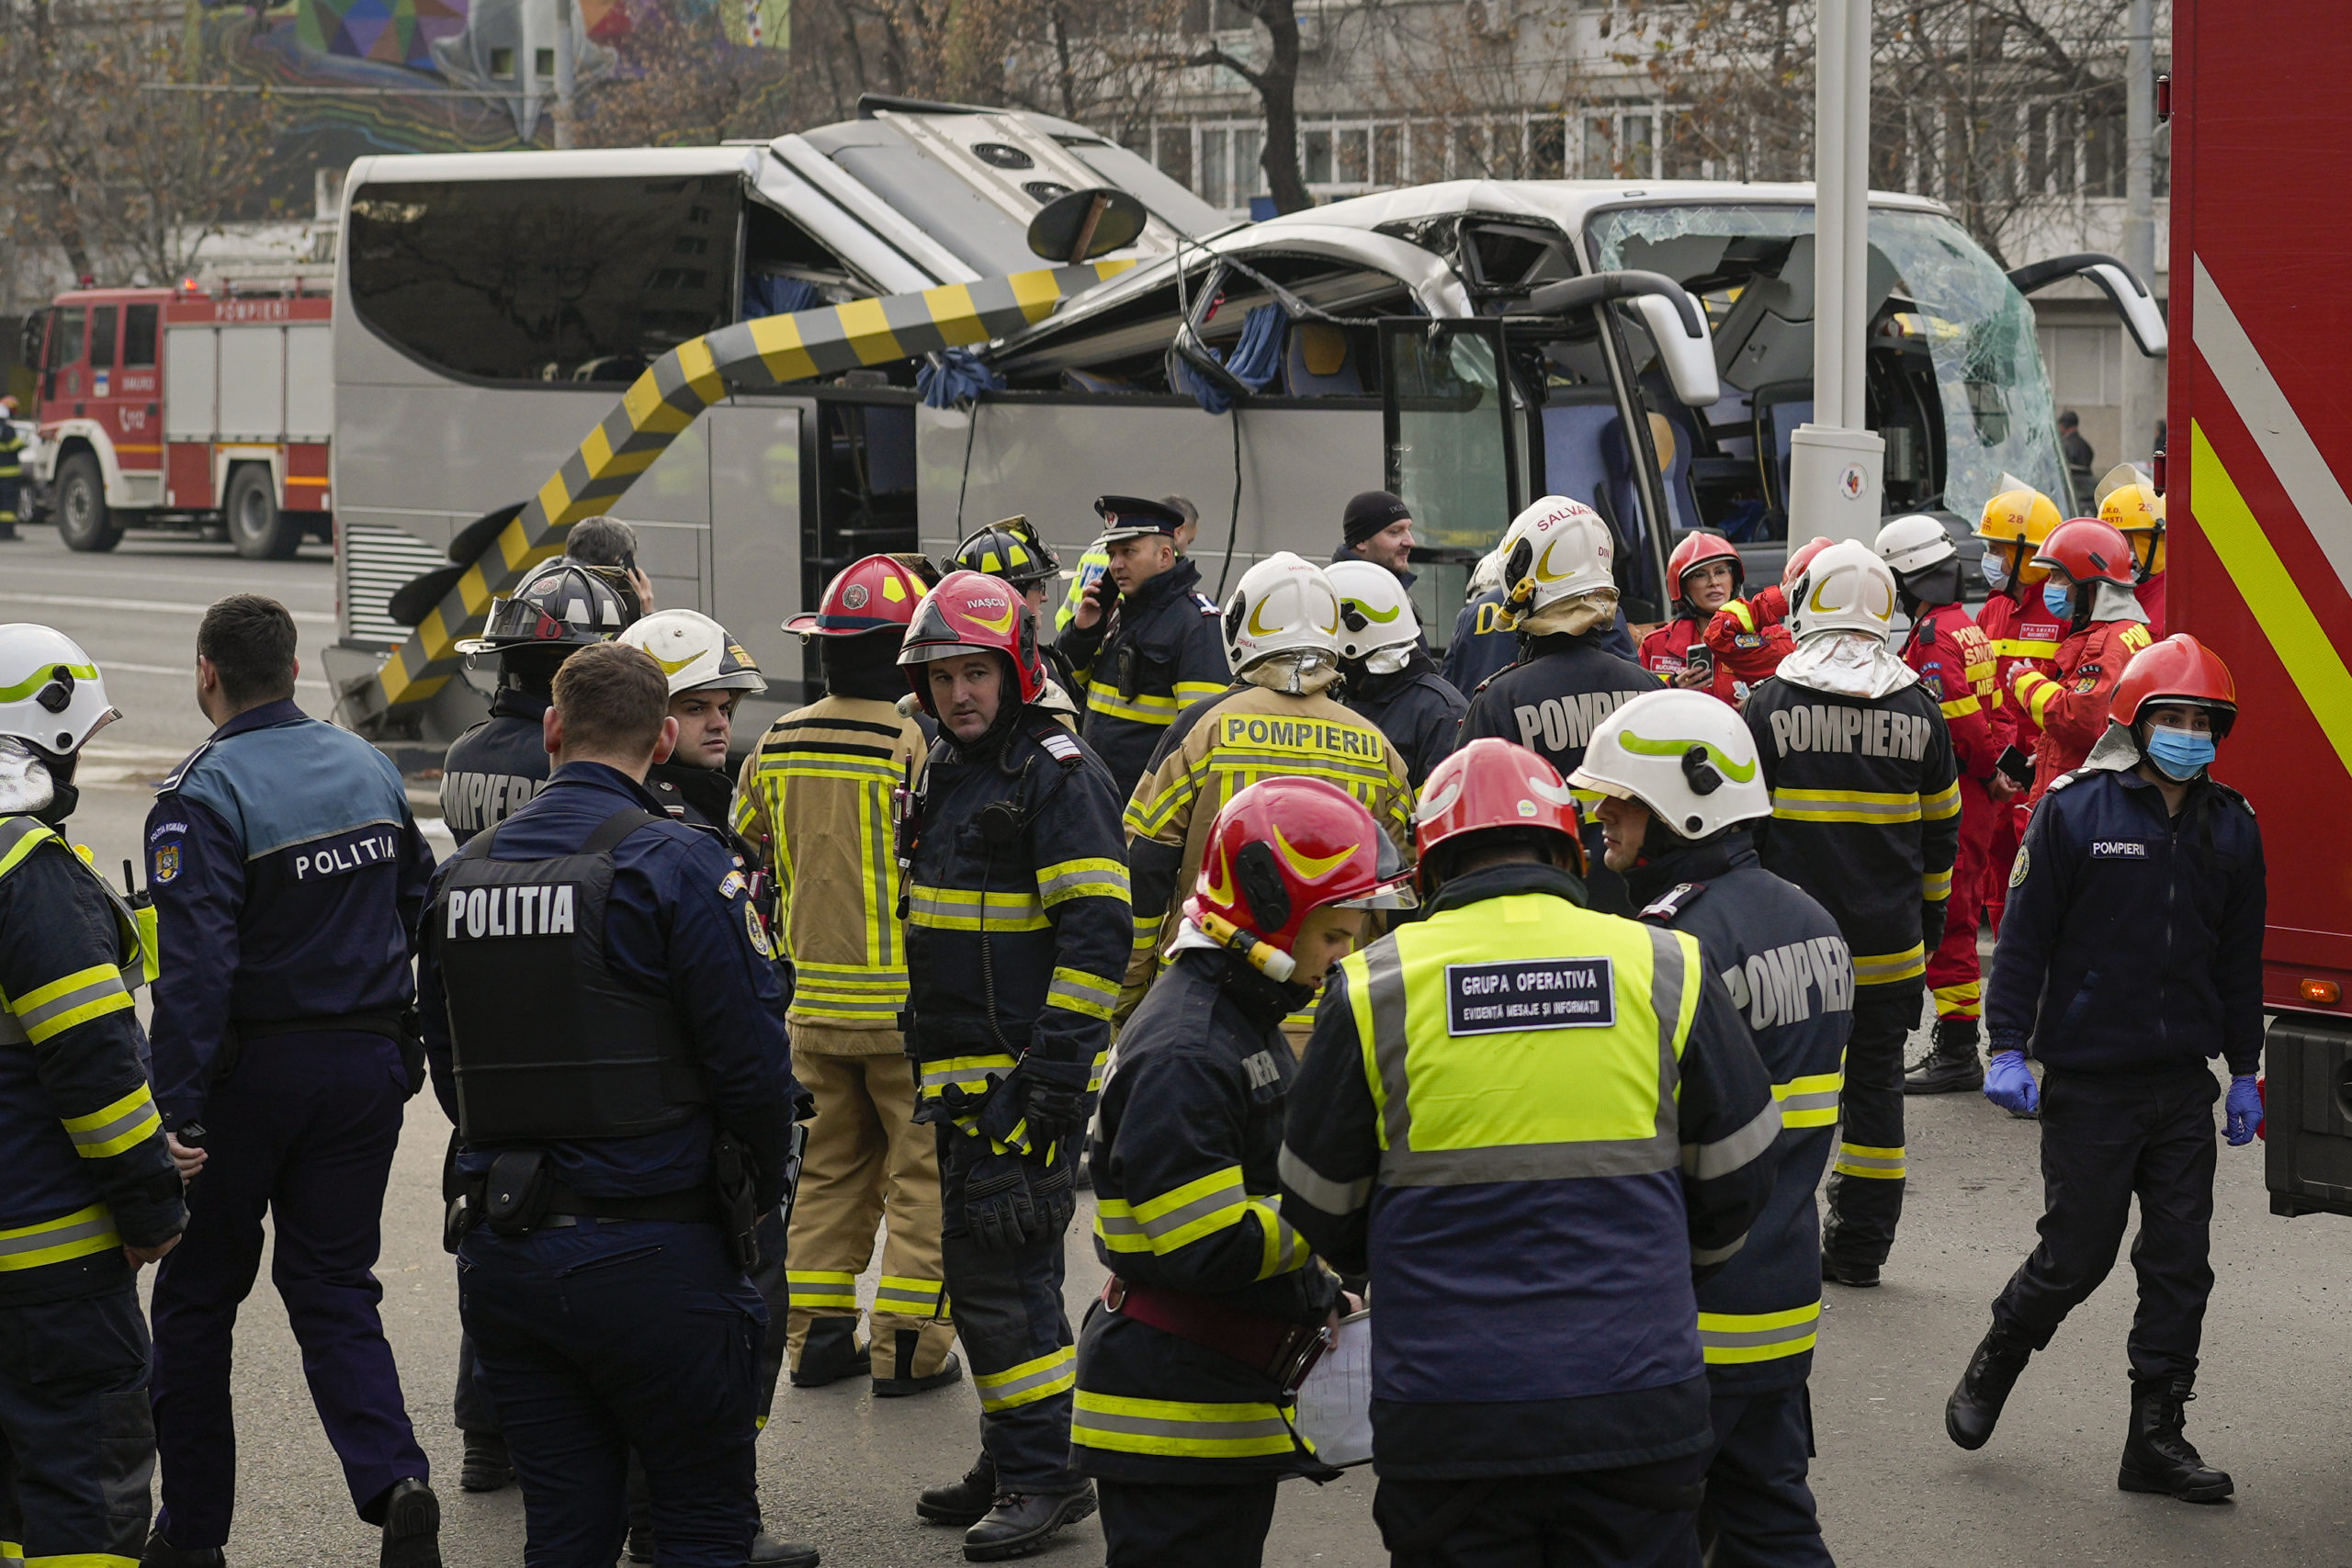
(1374, 612)
(1685, 755)
(1914, 544)
(1844, 588)
(1556, 549)
(51, 695)
(1284, 604)
(695, 652)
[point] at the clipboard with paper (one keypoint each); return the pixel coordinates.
(1335, 1401)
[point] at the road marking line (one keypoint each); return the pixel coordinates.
(165, 606)
(126, 667)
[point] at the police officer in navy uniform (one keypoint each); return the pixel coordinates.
(287, 875)
(605, 1025)
(1145, 640)
(1018, 924)
(1680, 785)
(90, 1196)
(493, 768)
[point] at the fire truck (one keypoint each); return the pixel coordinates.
(197, 407)
(2260, 527)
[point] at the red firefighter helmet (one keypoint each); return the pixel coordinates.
(1696, 551)
(1491, 784)
(1802, 558)
(2177, 669)
(870, 595)
(971, 612)
(1284, 848)
(2088, 551)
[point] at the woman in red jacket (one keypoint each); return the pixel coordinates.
(1707, 575)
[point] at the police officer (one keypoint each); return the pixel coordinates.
(816, 804)
(1481, 644)
(1210, 1287)
(12, 469)
(1680, 785)
(1018, 921)
(1388, 675)
(1562, 602)
(1145, 640)
(2132, 950)
(1956, 665)
(493, 768)
(606, 1031)
(1281, 635)
(1095, 560)
(287, 875)
(2088, 590)
(91, 1196)
(1577, 1129)
(1865, 818)
(1010, 549)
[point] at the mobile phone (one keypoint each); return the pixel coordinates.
(2016, 765)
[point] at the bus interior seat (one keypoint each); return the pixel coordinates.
(889, 448)
(1781, 407)
(1578, 424)
(1319, 363)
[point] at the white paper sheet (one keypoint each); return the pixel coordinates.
(1335, 1403)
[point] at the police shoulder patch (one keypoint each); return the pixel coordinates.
(757, 932)
(731, 883)
(2018, 872)
(166, 863)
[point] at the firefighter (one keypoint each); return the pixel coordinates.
(816, 804)
(1481, 644)
(2128, 503)
(1562, 602)
(1010, 549)
(493, 768)
(1955, 664)
(2088, 590)
(288, 876)
(1679, 788)
(1143, 640)
(609, 1040)
(1708, 577)
(2132, 952)
(1282, 631)
(2024, 635)
(1209, 1286)
(1387, 675)
(1865, 818)
(91, 1196)
(12, 468)
(1535, 1197)
(1018, 922)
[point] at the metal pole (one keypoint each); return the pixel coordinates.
(2142, 396)
(1829, 249)
(564, 72)
(1855, 192)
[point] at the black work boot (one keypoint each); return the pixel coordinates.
(1953, 1065)
(411, 1526)
(1022, 1522)
(488, 1467)
(1851, 1272)
(832, 1353)
(2158, 1456)
(966, 1501)
(769, 1552)
(902, 1381)
(162, 1553)
(1974, 1406)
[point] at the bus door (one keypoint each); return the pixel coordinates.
(1455, 437)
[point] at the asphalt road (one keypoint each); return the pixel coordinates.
(839, 1468)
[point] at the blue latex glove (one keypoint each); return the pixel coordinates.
(2244, 1111)
(2008, 1083)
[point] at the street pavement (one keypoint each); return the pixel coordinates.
(840, 1469)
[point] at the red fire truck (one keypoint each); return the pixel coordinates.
(187, 408)
(2260, 527)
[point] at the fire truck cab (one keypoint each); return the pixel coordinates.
(189, 407)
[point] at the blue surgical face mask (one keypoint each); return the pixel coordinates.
(2181, 753)
(1997, 575)
(2060, 601)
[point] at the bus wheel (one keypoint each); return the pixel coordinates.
(83, 520)
(256, 527)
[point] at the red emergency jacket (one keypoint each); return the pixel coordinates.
(2150, 595)
(2071, 704)
(1956, 664)
(2024, 637)
(1742, 651)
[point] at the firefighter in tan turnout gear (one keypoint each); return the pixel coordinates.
(1277, 720)
(816, 804)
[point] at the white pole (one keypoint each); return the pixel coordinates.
(1829, 215)
(2142, 398)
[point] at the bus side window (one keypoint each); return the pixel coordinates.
(138, 336)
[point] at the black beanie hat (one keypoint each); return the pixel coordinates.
(1369, 512)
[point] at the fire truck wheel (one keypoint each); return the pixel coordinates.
(83, 520)
(256, 527)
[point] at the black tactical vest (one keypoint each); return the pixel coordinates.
(548, 1042)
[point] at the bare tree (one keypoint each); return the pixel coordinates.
(1276, 83)
(682, 83)
(1468, 71)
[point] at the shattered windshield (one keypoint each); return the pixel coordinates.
(1996, 413)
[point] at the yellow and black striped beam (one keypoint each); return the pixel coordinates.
(749, 356)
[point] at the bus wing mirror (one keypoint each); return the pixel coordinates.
(2116, 281)
(1674, 322)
